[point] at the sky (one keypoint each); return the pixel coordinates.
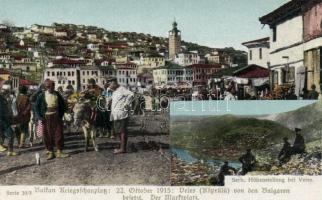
(214, 23)
(239, 108)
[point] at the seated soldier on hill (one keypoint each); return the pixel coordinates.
(285, 153)
(299, 143)
(248, 161)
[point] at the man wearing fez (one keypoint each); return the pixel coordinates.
(120, 107)
(6, 117)
(50, 108)
(299, 143)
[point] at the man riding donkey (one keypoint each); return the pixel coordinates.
(50, 108)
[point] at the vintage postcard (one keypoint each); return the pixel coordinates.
(160, 100)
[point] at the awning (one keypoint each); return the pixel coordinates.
(243, 81)
(260, 81)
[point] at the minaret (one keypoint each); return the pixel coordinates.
(174, 41)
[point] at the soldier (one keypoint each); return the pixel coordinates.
(299, 143)
(285, 153)
(225, 169)
(248, 161)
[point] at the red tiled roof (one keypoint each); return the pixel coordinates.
(26, 82)
(67, 61)
(252, 71)
(3, 71)
(204, 66)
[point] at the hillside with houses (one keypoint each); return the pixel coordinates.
(71, 54)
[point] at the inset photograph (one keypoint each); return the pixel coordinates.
(250, 138)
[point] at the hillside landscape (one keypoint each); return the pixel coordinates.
(227, 137)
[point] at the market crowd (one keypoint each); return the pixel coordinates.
(41, 114)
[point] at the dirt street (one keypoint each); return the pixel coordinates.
(148, 163)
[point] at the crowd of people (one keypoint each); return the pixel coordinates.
(41, 113)
(248, 160)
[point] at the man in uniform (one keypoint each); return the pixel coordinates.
(299, 143)
(248, 161)
(285, 153)
(225, 170)
(120, 107)
(50, 109)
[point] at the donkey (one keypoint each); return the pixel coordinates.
(83, 118)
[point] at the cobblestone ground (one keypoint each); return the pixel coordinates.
(148, 160)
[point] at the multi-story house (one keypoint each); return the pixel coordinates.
(91, 72)
(286, 45)
(25, 64)
(258, 52)
(295, 44)
(171, 74)
(65, 72)
(5, 60)
(188, 58)
(149, 62)
(219, 56)
(63, 75)
(201, 73)
(126, 74)
(312, 18)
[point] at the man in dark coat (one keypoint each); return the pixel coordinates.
(248, 161)
(50, 108)
(225, 170)
(23, 117)
(286, 152)
(5, 123)
(299, 143)
(313, 94)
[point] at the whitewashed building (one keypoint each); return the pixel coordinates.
(63, 76)
(258, 52)
(188, 58)
(126, 74)
(286, 45)
(171, 74)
